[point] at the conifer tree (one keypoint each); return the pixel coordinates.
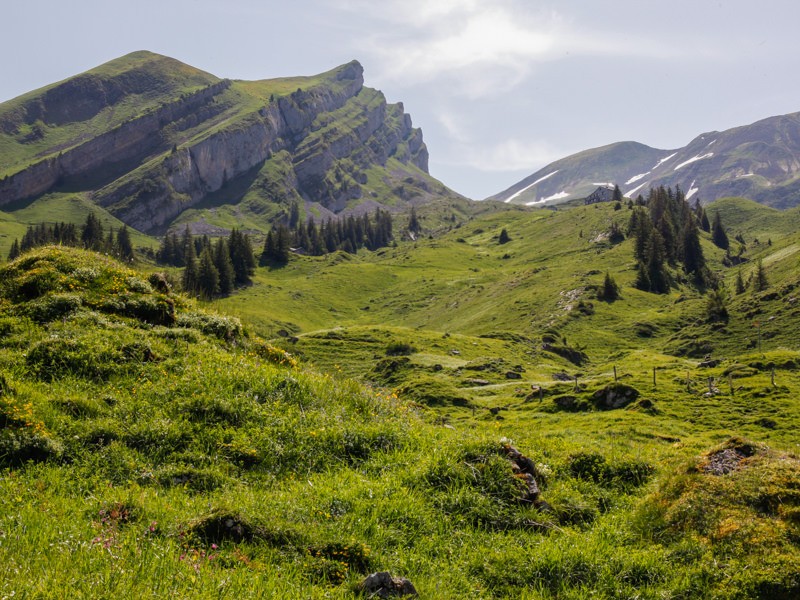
(718, 234)
(14, 252)
(124, 245)
(294, 214)
(92, 233)
(760, 282)
(610, 290)
(413, 221)
(739, 286)
(242, 257)
(190, 276)
(222, 261)
(207, 275)
(504, 237)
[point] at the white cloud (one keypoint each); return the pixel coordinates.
(505, 156)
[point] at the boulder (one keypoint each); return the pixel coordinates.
(383, 585)
(615, 395)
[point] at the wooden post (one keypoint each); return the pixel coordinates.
(730, 383)
(541, 393)
(772, 377)
(710, 385)
(688, 383)
(615, 373)
(576, 383)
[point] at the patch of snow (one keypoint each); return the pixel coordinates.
(527, 187)
(694, 159)
(709, 143)
(630, 193)
(636, 178)
(608, 185)
(663, 160)
(557, 196)
(746, 175)
(692, 190)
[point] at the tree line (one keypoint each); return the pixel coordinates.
(210, 269)
(349, 234)
(91, 236)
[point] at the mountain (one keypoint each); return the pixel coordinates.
(148, 138)
(760, 161)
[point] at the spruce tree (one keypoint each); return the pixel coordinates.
(14, 252)
(207, 275)
(610, 290)
(124, 245)
(222, 261)
(92, 233)
(760, 282)
(504, 237)
(718, 234)
(413, 221)
(739, 286)
(190, 276)
(242, 257)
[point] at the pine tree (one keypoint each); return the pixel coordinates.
(124, 245)
(760, 282)
(617, 195)
(92, 233)
(610, 290)
(294, 215)
(504, 237)
(694, 261)
(242, 257)
(190, 275)
(222, 261)
(413, 221)
(739, 286)
(207, 275)
(718, 235)
(15, 251)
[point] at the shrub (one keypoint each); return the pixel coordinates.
(225, 328)
(52, 307)
(400, 349)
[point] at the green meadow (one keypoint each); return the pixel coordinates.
(355, 413)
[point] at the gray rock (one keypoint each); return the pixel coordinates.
(383, 585)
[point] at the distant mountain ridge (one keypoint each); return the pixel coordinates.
(760, 161)
(149, 138)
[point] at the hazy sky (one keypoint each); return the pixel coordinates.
(499, 87)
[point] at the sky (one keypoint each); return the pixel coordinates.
(500, 88)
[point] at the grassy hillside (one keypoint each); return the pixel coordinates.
(150, 447)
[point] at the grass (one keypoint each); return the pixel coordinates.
(151, 447)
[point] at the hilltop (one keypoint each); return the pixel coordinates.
(152, 141)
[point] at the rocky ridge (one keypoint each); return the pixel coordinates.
(316, 144)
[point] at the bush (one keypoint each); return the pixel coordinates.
(225, 328)
(400, 349)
